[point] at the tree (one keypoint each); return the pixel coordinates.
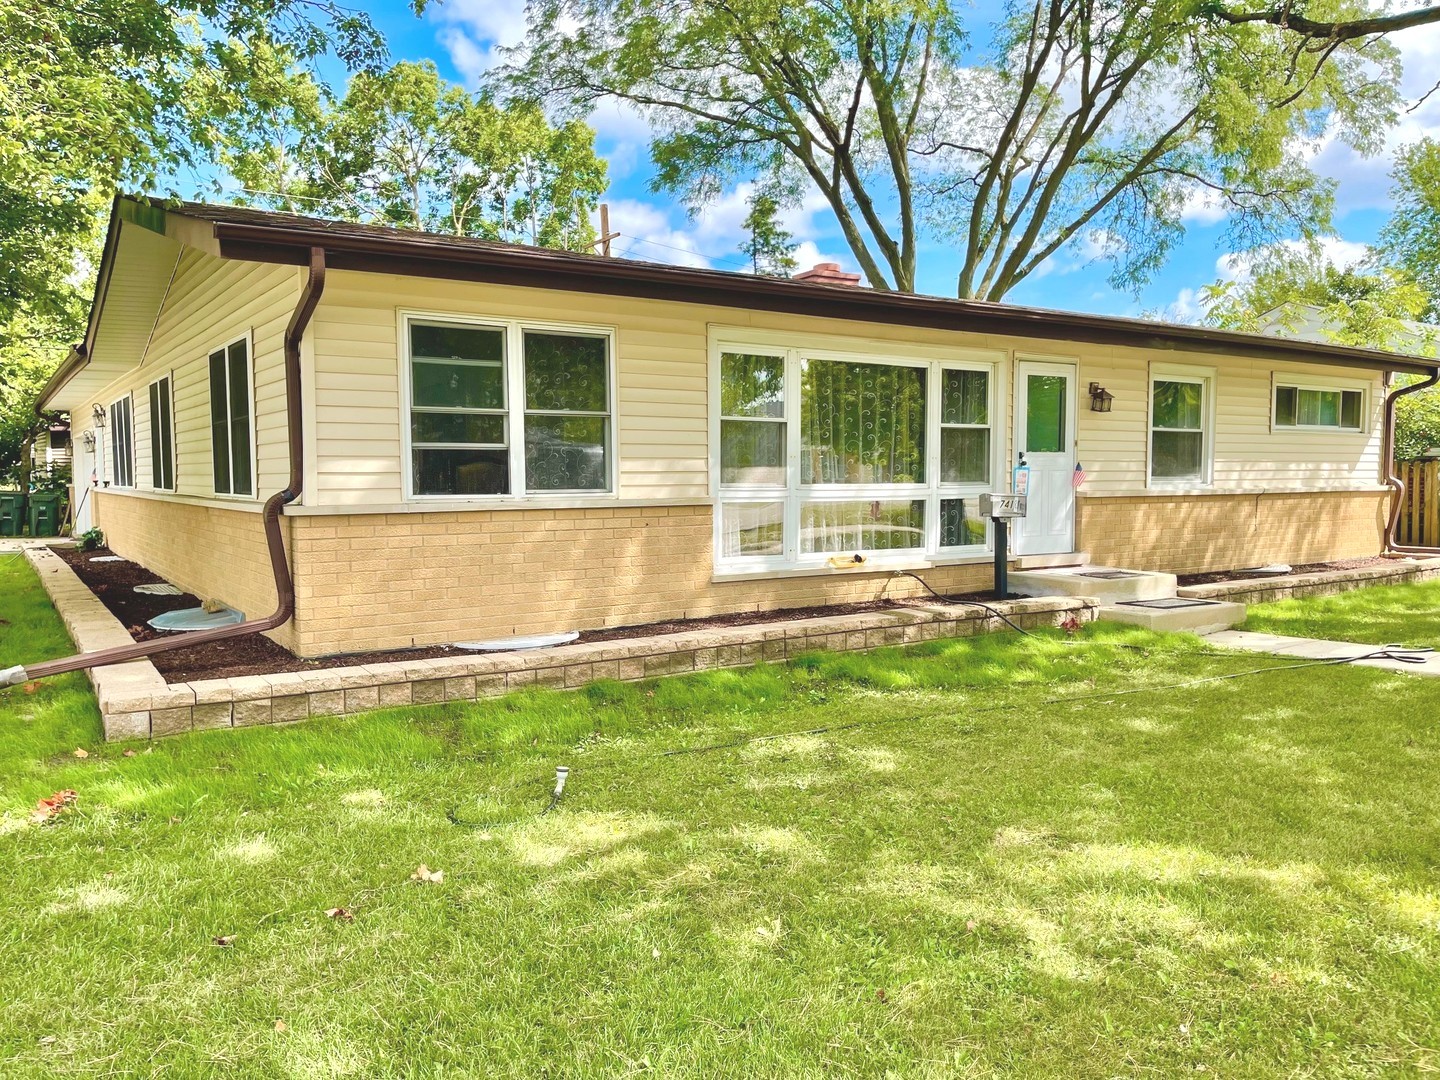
(27, 360)
(96, 96)
(1077, 119)
(768, 246)
(406, 148)
(1298, 291)
(102, 96)
(1410, 240)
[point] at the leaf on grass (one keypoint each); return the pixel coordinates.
(280, 1025)
(31, 687)
(46, 1040)
(51, 805)
(343, 914)
(225, 940)
(425, 874)
(81, 752)
(129, 753)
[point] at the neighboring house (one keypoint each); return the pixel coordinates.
(50, 452)
(502, 440)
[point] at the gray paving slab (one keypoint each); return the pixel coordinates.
(1317, 649)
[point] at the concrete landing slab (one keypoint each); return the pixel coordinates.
(1197, 617)
(1047, 562)
(1316, 649)
(1106, 584)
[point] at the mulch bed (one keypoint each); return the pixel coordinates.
(114, 583)
(1304, 568)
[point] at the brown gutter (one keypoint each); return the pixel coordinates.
(274, 506)
(1387, 452)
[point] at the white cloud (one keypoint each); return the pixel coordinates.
(1343, 254)
(474, 31)
(1185, 308)
(1203, 206)
(662, 233)
(1364, 182)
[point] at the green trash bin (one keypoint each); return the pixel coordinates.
(44, 515)
(12, 513)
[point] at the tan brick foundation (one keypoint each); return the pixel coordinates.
(1196, 534)
(381, 581)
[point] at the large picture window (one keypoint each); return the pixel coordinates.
(506, 409)
(162, 436)
(822, 455)
(122, 443)
(230, 429)
(1179, 428)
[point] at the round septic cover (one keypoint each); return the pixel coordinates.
(532, 641)
(196, 619)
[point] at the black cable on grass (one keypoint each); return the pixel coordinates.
(1399, 653)
(1405, 654)
(973, 603)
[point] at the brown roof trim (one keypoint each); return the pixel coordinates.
(394, 251)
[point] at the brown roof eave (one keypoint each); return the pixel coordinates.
(424, 256)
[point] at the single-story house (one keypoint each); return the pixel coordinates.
(492, 440)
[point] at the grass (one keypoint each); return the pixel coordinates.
(993, 862)
(1401, 614)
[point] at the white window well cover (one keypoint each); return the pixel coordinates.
(513, 644)
(187, 619)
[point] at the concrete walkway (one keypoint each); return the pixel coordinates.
(1312, 649)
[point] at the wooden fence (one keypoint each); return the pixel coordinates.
(1419, 523)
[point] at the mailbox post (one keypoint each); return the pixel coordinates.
(1000, 507)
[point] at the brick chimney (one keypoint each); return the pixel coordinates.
(828, 274)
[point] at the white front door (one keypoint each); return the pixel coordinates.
(1045, 434)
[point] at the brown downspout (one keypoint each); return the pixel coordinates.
(274, 506)
(1387, 452)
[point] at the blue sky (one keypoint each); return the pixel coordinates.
(460, 36)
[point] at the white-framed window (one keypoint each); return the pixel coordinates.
(162, 435)
(122, 442)
(506, 408)
(1181, 425)
(1308, 405)
(821, 453)
(232, 429)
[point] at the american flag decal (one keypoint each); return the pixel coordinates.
(1078, 477)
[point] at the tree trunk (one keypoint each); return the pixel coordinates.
(26, 452)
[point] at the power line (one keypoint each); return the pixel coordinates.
(689, 251)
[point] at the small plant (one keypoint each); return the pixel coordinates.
(91, 539)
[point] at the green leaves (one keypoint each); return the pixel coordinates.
(1085, 122)
(406, 148)
(1410, 240)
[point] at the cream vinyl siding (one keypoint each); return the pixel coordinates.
(660, 423)
(1247, 454)
(211, 301)
(661, 420)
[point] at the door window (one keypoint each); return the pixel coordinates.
(1045, 408)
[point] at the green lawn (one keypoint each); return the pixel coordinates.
(1400, 614)
(967, 874)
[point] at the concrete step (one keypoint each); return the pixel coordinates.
(1048, 562)
(1177, 615)
(1108, 584)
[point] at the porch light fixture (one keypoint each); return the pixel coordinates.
(1100, 398)
(88, 438)
(98, 411)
